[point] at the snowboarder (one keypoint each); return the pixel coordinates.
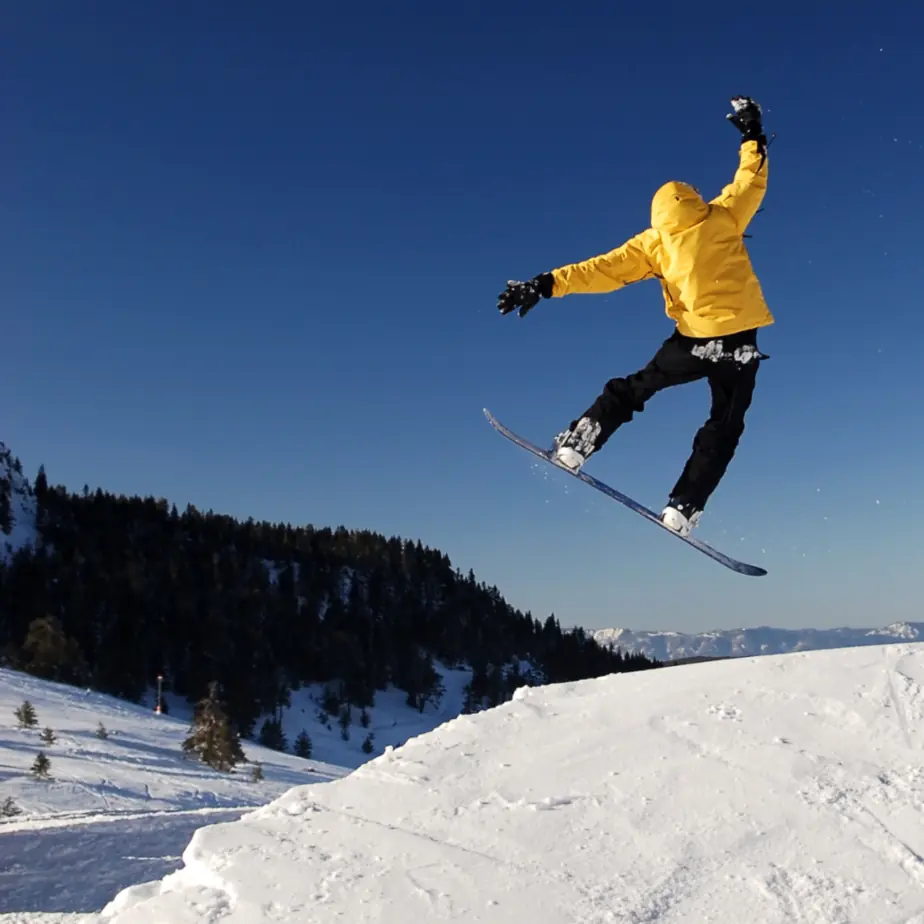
(696, 249)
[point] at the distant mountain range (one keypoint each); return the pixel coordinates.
(761, 640)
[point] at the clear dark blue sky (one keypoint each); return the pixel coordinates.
(249, 257)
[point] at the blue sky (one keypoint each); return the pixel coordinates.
(250, 260)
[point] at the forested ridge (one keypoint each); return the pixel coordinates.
(116, 590)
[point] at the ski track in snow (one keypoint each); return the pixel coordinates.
(99, 858)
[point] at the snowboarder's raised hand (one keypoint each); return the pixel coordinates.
(524, 295)
(747, 118)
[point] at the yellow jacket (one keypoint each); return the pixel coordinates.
(696, 250)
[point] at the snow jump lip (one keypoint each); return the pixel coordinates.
(733, 564)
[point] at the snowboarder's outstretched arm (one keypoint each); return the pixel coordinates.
(604, 273)
(609, 271)
(743, 196)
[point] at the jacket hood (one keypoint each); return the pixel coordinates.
(676, 207)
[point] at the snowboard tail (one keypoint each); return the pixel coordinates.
(739, 566)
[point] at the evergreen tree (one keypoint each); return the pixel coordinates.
(423, 683)
(9, 809)
(212, 737)
(48, 653)
(272, 735)
(41, 767)
(470, 702)
(25, 715)
(41, 485)
(330, 702)
(344, 720)
(48, 736)
(101, 731)
(6, 508)
(256, 772)
(303, 745)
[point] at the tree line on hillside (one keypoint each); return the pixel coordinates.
(9, 465)
(123, 589)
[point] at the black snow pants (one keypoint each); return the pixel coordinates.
(729, 364)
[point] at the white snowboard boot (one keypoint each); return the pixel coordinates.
(680, 517)
(574, 447)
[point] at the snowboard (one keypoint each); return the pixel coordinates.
(739, 566)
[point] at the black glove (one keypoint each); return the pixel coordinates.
(525, 295)
(747, 119)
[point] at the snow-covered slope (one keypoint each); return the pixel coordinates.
(391, 720)
(15, 491)
(115, 810)
(773, 789)
(761, 640)
(133, 798)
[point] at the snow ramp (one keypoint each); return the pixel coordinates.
(772, 789)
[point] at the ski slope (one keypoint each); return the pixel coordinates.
(774, 789)
(117, 810)
(121, 810)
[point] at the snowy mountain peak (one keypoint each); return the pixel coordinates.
(764, 789)
(910, 631)
(760, 640)
(17, 507)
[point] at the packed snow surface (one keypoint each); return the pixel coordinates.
(773, 789)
